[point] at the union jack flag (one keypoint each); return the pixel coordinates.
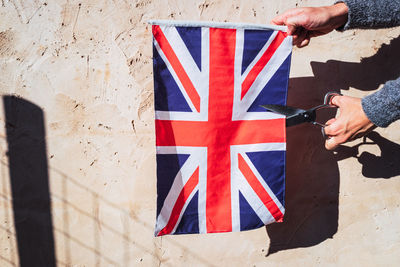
(220, 156)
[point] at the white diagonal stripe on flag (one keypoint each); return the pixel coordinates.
(195, 159)
(266, 73)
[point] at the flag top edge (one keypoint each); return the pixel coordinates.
(212, 24)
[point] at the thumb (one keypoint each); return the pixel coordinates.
(336, 100)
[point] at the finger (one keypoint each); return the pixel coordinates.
(279, 20)
(296, 22)
(304, 43)
(332, 129)
(334, 141)
(329, 122)
(299, 36)
(292, 29)
(331, 143)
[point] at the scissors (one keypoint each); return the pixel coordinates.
(295, 116)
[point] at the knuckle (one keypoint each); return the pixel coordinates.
(327, 130)
(306, 19)
(341, 139)
(334, 129)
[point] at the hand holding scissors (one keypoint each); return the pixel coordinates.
(351, 123)
(295, 116)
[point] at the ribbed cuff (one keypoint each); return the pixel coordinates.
(383, 107)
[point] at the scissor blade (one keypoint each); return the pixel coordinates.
(293, 115)
(284, 110)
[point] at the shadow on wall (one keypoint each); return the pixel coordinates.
(29, 182)
(366, 75)
(31, 203)
(312, 181)
(387, 165)
(312, 175)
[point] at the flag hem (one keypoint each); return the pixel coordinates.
(212, 24)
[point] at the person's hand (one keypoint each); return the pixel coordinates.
(351, 123)
(306, 22)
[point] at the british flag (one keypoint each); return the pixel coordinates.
(220, 156)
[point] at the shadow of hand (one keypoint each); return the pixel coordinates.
(384, 65)
(312, 174)
(386, 165)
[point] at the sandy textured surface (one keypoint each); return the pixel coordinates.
(87, 66)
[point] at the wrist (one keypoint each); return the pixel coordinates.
(338, 14)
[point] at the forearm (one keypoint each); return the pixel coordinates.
(383, 107)
(372, 13)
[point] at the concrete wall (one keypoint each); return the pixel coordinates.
(78, 157)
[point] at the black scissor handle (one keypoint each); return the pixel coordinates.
(328, 101)
(324, 134)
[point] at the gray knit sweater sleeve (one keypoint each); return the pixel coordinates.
(367, 14)
(383, 107)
